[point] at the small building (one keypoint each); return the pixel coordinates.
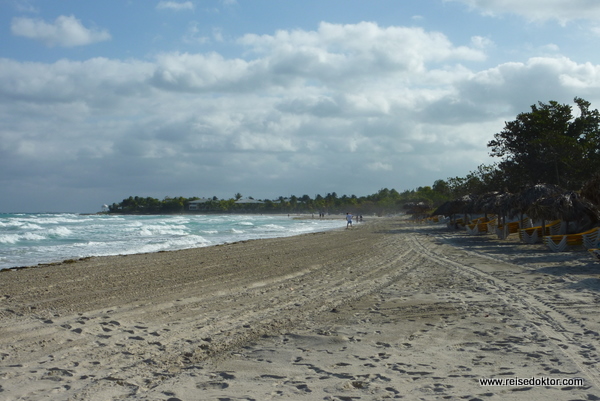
(195, 204)
(248, 200)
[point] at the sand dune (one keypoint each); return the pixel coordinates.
(385, 310)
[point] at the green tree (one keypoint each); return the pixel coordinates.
(548, 144)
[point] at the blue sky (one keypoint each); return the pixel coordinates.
(269, 98)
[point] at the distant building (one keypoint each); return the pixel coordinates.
(248, 200)
(195, 204)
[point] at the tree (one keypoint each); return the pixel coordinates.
(549, 145)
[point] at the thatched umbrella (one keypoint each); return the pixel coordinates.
(417, 209)
(527, 198)
(485, 202)
(464, 205)
(570, 206)
(499, 203)
(443, 210)
(505, 205)
(591, 190)
(453, 207)
(468, 203)
(543, 209)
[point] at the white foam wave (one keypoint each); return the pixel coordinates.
(60, 231)
(148, 231)
(15, 238)
(274, 227)
(9, 239)
(27, 240)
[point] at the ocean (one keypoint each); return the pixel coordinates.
(31, 239)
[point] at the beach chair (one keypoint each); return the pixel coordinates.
(438, 219)
(595, 252)
(482, 225)
(534, 235)
(458, 223)
(504, 230)
(477, 226)
(559, 243)
(592, 238)
(557, 229)
(490, 226)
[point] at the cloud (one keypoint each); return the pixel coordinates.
(25, 6)
(379, 166)
(333, 56)
(65, 31)
(539, 10)
(175, 6)
(334, 109)
(366, 43)
(193, 35)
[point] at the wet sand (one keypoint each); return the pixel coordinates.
(385, 310)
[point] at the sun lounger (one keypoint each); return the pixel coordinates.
(592, 238)
(458, 223)
(533, 235)
(559, 243)
(595, 252)
(504, 230)
(477, 226)
(439, 219)
(482, 225)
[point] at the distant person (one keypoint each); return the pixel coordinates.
(348, 220)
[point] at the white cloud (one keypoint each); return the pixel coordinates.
(174, 5)
(25, 6)
(540, 10)
(480, 42)
(378, 166)
(66, 31)
(345, 102)
(193, 35)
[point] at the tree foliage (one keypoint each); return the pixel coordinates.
(549, 144)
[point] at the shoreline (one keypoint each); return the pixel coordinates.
(37, 260)
(381, 311)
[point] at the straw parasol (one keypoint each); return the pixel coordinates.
(505, 205)
(591, 190)
(543, 209)
(462, 205)
(447, 208)
(571, 206)
(485, 203)
(500, 203)
(417, 209)
(528, 196)
(530, 201)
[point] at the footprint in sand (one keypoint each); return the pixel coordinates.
(212, 385)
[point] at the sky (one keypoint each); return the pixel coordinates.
(102, 100)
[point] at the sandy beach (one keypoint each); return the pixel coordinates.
(385, 310)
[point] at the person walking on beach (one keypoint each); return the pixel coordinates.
(348, 220)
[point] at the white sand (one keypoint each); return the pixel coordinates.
(385, 310)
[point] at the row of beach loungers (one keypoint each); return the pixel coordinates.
(551, 234)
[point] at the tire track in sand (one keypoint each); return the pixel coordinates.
(559, 327)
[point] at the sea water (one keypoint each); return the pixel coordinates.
(31, 239)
